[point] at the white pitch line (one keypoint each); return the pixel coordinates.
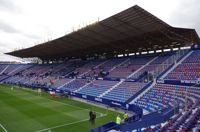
(50, 128)
(72, 105)
(3, 128)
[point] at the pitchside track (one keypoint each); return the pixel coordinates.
(23, 110)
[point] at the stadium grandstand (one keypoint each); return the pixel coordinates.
(131, 61)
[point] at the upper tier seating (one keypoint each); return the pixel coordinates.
(157, 66)
(189, 69)
(88, 67)
(106, 66)
(129, 67)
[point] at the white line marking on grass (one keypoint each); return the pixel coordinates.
(3, 128)
(50, 128)
(72, 105)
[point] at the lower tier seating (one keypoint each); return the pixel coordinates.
(97, 88)
(164, 95)
(124, 91)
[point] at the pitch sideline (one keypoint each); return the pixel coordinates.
(50, 128)
(3, 128)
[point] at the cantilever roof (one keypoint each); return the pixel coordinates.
(132, 30)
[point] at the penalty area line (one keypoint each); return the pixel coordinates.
(3, 128)
(67, 124)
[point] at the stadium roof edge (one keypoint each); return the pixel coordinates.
(132, 30)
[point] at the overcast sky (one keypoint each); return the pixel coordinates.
(24, 23)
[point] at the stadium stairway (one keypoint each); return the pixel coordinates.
(179, 61)
(94, 68)
(4, 69)
(84, 86)
(141, 94)
(66, 83)
(132, 74)
(139, 79)
(14, 70)
(82, 75)
(101, 63)
(106, 92)
(119, 64)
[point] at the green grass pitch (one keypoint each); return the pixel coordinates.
(23, 110)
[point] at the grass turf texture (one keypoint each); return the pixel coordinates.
(22, 110)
